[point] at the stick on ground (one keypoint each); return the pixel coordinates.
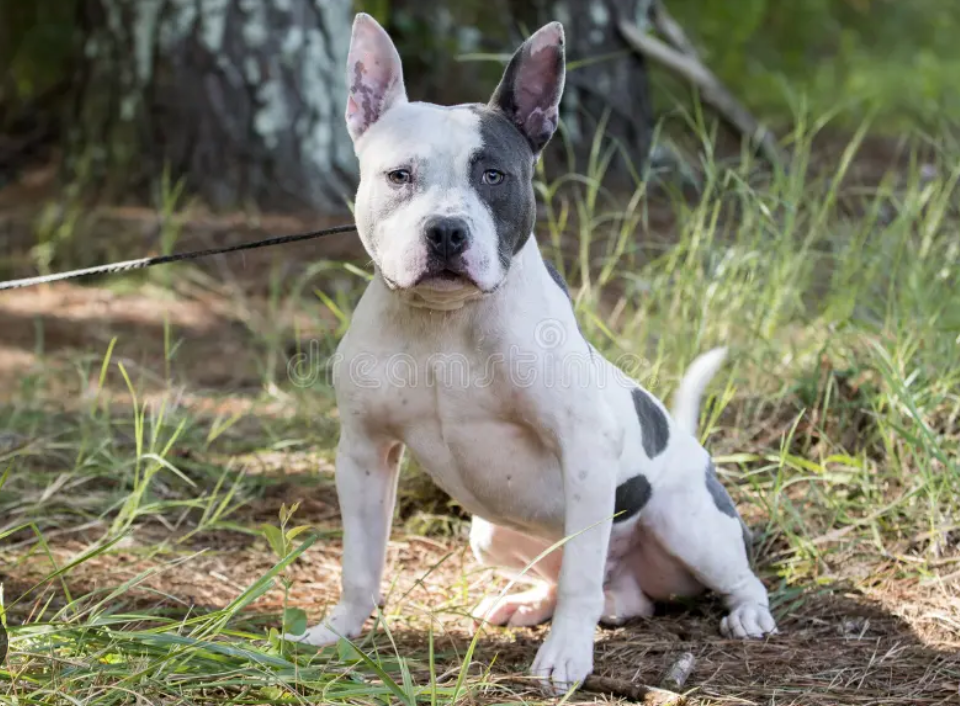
(620, 688)
(675, 677)
(639, 693)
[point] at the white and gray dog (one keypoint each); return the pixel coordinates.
(460, 350)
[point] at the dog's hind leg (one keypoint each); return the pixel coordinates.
(623, 597)
(510, 552)
(696, 523)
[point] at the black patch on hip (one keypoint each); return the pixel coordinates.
(558, 278)
(631, 497)
(654, 428)
(512, 203)
(721, 498)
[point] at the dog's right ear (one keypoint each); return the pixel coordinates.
(374, 75)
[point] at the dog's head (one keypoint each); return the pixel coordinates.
(446, 193)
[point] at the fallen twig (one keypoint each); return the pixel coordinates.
(680, 57)
(620, 688)
(678, 673)
(638, 693)
(664, 23)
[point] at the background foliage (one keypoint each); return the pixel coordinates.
(897, 58)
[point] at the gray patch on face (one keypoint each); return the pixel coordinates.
(512, 202)
(654, 428)
(631, 497)
(558, 278)
(721, 498)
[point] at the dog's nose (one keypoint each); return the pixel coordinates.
(447, 237)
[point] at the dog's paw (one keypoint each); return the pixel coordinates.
(565, 659)
(520, 610)
(344, 621)
(748, 620)
(317, 636)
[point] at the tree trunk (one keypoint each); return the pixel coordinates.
(243, 99)
(607, 85)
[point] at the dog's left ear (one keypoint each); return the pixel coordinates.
(530, 90)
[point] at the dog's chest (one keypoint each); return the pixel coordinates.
(470, 428)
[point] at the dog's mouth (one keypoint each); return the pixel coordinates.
(442, 289)
(441, 285)
(446, 278)
(450, 276)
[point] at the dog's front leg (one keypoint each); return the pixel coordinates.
(588, 460)
(367, 470)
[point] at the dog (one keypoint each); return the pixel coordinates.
(464, 349)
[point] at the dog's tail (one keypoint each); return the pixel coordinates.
(686, 412)
(686, 401)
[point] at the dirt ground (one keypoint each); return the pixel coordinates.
(886, 646)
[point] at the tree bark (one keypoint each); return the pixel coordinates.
(607, 85)
(242, 98)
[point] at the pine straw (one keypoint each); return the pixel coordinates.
(898, 643)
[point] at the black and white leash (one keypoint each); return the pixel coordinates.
(176, 257)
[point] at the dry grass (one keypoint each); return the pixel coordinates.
(894, 643)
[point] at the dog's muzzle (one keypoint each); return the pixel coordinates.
(447, 239)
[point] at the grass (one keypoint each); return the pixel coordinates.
(887, 57)
(158, 530)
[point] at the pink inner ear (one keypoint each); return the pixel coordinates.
(372, 91)
(538, 80)
(352, 107)
(374, 76)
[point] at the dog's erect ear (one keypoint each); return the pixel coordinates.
(530, 90)
(374, 75)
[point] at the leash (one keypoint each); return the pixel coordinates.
(176, 257)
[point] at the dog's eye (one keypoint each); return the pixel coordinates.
(492, 177)
(400, 176)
